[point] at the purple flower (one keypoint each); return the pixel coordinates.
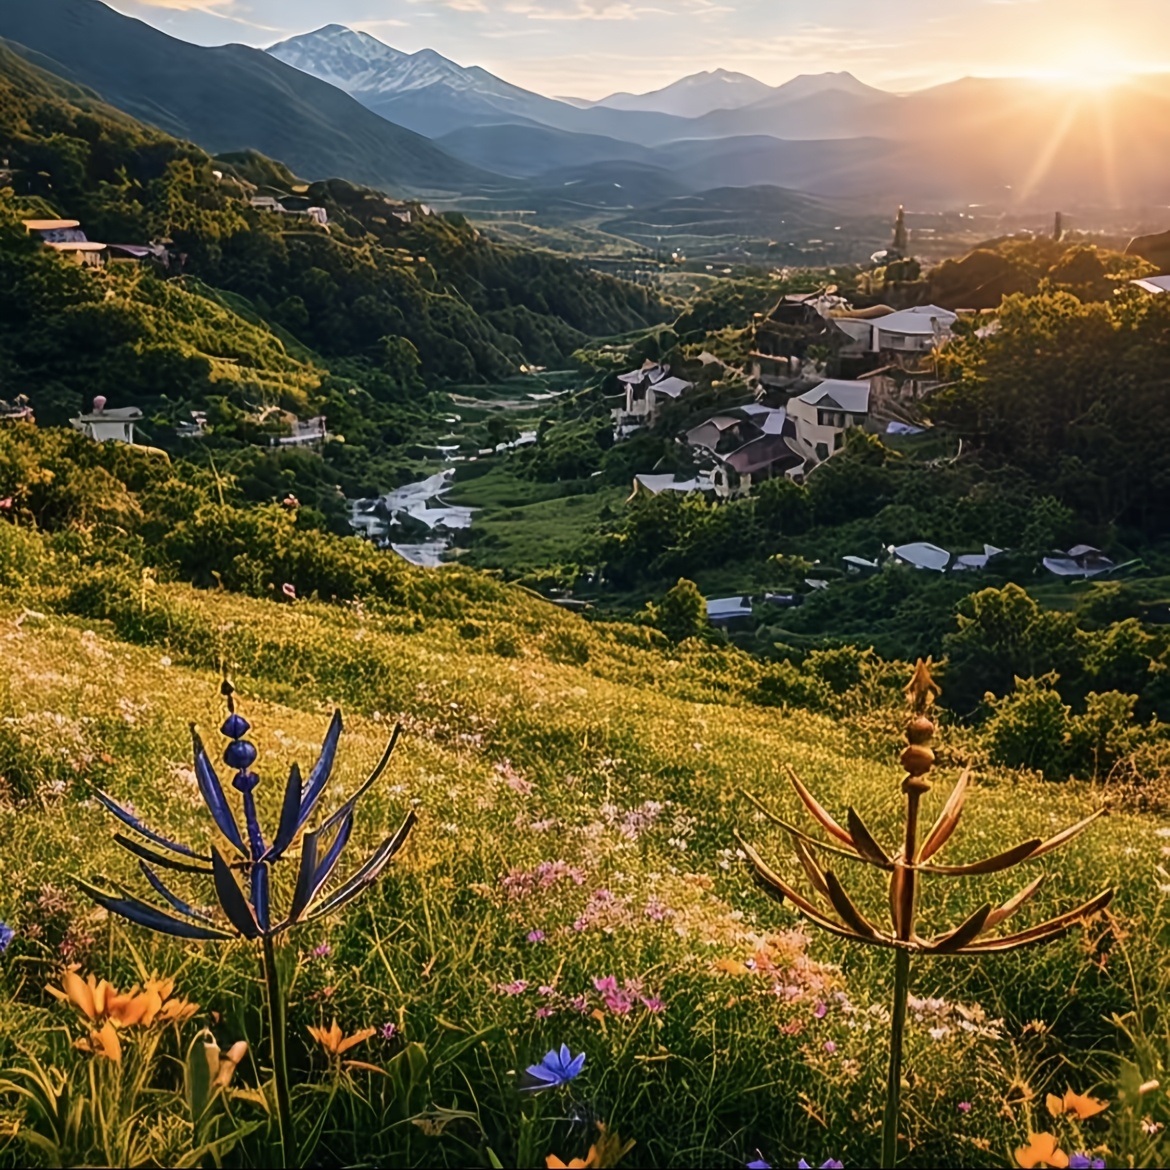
(1084, 1162)
(831, 1164)
(759, 1164)
(964, 1106)
(536, 936)
(388, 1031)
(323, 951)
(556, 1068)
(821, 1010)
(7, 934)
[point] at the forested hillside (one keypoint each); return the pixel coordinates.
(257, 311)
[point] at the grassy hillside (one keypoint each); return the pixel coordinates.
(579, 787)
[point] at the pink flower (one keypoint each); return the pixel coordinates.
(545, 1013)
(653, 1004)
(323, 951)
(536, 936)
(821, 1010)
(964, 1106)
(388, 1031)
(830, 1047)
(512, 778)
(606, 984)
(517, 987)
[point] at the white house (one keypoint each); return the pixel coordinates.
(106, 426)
(822, 415)
(646, 390)
(305, 433)
(916, 330)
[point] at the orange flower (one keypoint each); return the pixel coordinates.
(732, 967)
(1041, 1150)
(554, 1163)
(1080, 1105)
(103, 1042)
(333, 1040)
(100, 1002)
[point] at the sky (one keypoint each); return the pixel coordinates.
(590, 48)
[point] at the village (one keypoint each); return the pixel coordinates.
(815, 368)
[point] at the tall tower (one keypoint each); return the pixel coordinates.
(1058, 228)
(901, 241)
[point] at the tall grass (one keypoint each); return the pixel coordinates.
(519, 755)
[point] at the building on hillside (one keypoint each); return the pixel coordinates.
(724, 611)
(290, 205)
(108, 426)
(741, 447)
(646, 390)
(193, 428)
(1082, 560)
(55, 231)
(16, 411)
(310, 432)
(917, 330)
(922, 555)
(1153, 284)
(158, 254)
(782, 337)
(65, 236)
(822, 415)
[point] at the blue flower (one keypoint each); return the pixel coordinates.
(759, 1164)
(1084, 1162)
(557, 1068)
(7, 934)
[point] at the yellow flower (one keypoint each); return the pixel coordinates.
(100, 1002)
(335, 1042)
(103, 1042)
(1041, 1150)
(1080, 1105)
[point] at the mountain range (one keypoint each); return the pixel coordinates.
(229, 98)
(340, 102)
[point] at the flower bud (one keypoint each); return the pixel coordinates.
(917, 760)
(920, 730)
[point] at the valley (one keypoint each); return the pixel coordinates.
(621, 506)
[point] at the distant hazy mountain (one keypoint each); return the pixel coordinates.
(435, 96)
(522, 150)
(230, 98)
(813, 105)
(694, 96)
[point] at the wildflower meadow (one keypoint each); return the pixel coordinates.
(537, 931)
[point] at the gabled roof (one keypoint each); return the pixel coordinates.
(112, 414)
(917, 321)
(729, 607)
(1153, 284)
(671, 387)
(837, 394)
(924, 556)
(666, 483)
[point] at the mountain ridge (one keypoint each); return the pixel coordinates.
(230, 97)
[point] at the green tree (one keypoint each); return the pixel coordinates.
(682, 613)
